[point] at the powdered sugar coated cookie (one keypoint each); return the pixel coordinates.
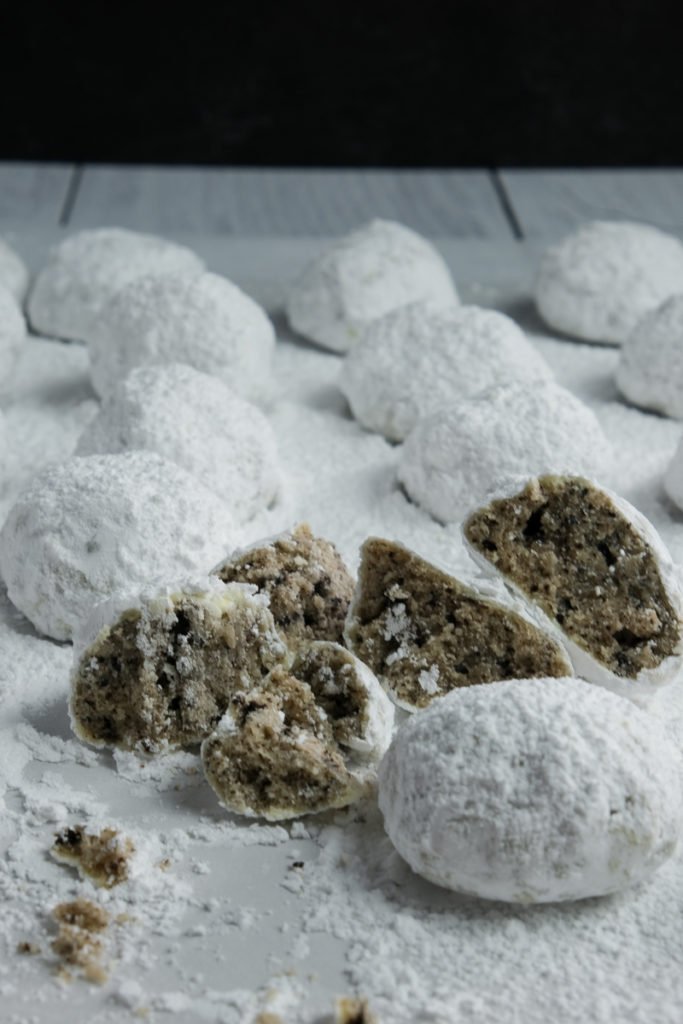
(455, 456)
(92, 526)
(197, 422)
(600, 280)
(365, 274)
(88, 268)
(421, 357)
(12, 332)
(532, 791)
(203, 320)
(13, 272)
(650, 370)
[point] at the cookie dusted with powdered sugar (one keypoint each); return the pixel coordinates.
(597, 569)
(99, 524)
(424, 633)
(201, 319)
(454, 457)
(156, 671)
(365, 274)
(308, 739)
(650, 369)
(533, 791)
(12, 333)
(86, 269)
(194, 420)
(421, 358)
(13, 272)
(602, 278)
(307, 583)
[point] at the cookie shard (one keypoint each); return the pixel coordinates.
(425, 633)
(274, 756)
(597, 569)
(305, 579)
(357, 708)
(157, 671)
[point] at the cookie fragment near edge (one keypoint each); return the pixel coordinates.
(597, 569)
(425, 633)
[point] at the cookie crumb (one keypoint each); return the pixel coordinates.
(28, 948)
(77, 943)
(103, 857)
(349, 1010)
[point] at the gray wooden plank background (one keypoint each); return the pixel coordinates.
(534, 204)
(548, 204)
(289, 202)
(34, 193)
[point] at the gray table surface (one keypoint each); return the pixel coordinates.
(483, 204)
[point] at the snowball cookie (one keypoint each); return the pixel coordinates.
(157, 671)
(377, 268)
(306, 740)
(13, 273)
(453, 458)
(12, 333)
(532, 791)
(597, 569)
(600, 280)
(203, 320)
(650, 369)
(196, 421)
(92, 526)
(307, 583)
(419, 358)
(424, 633)
(89, 267)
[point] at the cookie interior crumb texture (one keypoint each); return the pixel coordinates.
(274, 754)
(424, 633)
(103, 856)
(77, 942)
(330, 672)
(563, 542)
(162, 675)
(307, 583)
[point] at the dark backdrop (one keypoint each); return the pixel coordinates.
(427, 84)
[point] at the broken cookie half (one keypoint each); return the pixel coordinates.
(305, 579)
(425, 633)
(307, 739)
(597, 569)
(157, 671)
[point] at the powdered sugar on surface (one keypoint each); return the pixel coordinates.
(285, 918)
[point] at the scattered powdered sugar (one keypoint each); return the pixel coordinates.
(288, 917)
(421, 357)
(453, 457)
(196, 421)
(86, 269)
(600, 280)
(650, 370)
(93, 525)
(367, 273)
(203, 320)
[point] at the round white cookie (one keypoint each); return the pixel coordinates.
(422, 357)
(92, 526)
(89, 267)
(203, 320)
(365, 274)
(454, 457)
(12, 333)
(650, 369)
(533, 791)
(13, 272)
(600, 280)
(197, 422)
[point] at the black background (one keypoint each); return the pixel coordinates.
(321, 84)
